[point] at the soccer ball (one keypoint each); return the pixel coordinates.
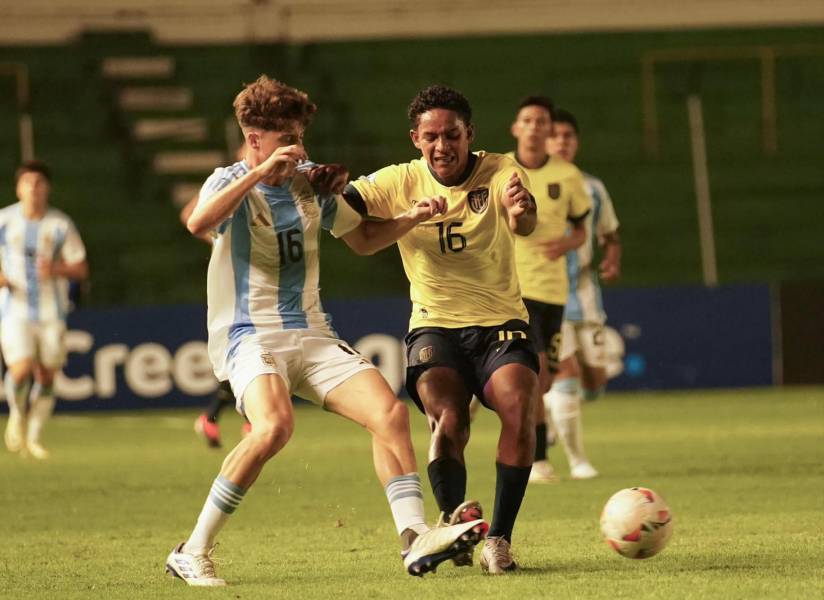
(636, 522)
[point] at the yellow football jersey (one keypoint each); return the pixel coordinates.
(460, 265)
(560, 194)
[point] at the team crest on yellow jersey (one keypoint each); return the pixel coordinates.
(554, 190)
(478, 200)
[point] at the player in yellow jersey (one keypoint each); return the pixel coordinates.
(562, 201)
(468, 332)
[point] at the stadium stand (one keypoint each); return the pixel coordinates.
(108, 144)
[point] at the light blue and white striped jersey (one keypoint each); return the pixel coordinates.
(585, 302)
(22, 242)
(263, 273)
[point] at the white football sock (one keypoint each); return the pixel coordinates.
(224, 498)
(564, 400)
(405, 496)
(16, 394)
(41, 405)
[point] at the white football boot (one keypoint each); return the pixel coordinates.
(442, 543)
(496, 556)
(37, 450)
(583, 470)
(15, 436)
(194, 569)
(542, 472)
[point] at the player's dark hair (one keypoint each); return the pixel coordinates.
(541, 101)
(564, 116)
(439, 96)
(33, 166)
(270, 105)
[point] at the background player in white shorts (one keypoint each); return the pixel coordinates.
(269, 335)
(40, 251)
(582, 346)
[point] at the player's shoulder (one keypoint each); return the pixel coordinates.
(230, 172)
(563, 168)
(498, 160)
(7, 212)
(58, 217)
(594, 183)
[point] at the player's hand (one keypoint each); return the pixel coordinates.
(555, 249)
(609, 270)
(426, 208)
(45, 269)
(282, 163)
(328, 179)
(517, 198)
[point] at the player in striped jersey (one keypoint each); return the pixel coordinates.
(582, 347)
(269, 335)
(40, 251)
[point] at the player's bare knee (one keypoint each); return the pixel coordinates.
(21, 371)
(391, 422)
(272, 434)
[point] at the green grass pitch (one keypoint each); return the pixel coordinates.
(741, 470)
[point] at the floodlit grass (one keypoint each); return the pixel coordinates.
(742, 471)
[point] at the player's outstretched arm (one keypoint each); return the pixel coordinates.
(371, 236)
(520, 206)
(211, 212)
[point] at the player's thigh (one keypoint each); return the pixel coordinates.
(508, 364)
(512, 391)
(259, 355)
(438, 375)
(18, 342)
(51, 345)
(327, 363)
(367, 399)
(267, 402)
(545, 330)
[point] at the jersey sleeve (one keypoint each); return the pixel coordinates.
(337, 216)
(580, 202)
(72, 251)
(607, 219)
(507, 167)
(380, 192)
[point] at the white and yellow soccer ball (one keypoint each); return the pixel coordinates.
(636, 522)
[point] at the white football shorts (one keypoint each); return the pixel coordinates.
(311, 362)
(586, 340)
(43, 342)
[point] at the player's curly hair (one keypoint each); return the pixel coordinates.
(439, 96)
(269, 104)
(32, 166)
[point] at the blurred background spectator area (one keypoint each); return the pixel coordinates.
(130, 103)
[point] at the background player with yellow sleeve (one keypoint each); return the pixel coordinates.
(468, 331)
(562, 199)
(582, 370)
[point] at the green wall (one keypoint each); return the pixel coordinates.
(767, 209)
